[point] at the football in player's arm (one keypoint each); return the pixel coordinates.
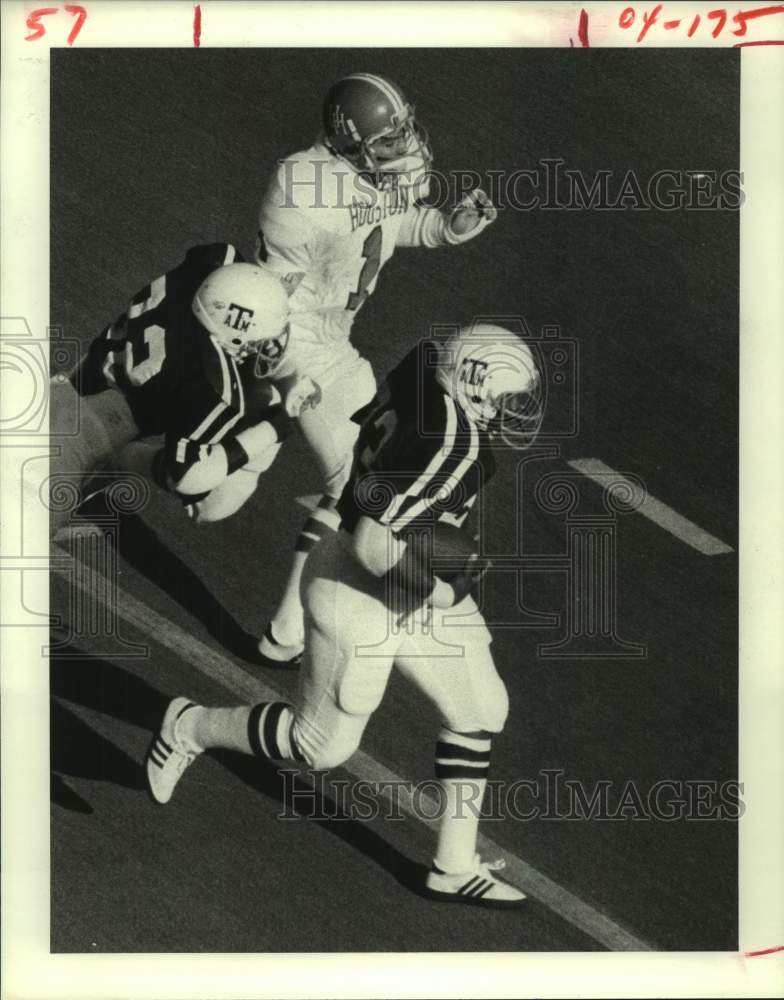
(419, 449)
(332, 216)
(187, 362)
(424, 454)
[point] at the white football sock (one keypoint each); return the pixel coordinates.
(216, 728)
(288, 621)
(462, 764)
(263, 730)
(459, 824)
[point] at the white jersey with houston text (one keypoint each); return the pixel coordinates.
(320, 219)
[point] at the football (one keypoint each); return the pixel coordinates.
(452, 549)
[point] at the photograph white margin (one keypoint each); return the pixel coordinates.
(29, 970)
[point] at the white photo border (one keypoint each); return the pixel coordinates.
(29, 970)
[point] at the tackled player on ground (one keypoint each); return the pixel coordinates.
(177, 389)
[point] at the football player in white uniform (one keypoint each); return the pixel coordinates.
(373, 602)
(331, 218)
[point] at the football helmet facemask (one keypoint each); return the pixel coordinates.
(491, 373)
(245, 310)
(368, 122)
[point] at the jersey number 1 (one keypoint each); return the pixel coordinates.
(371, 251)
(377, 435)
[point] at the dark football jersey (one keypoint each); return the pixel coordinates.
(418, 459)
(176, 379)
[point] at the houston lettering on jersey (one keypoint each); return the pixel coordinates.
(396, 202)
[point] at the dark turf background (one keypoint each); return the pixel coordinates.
(155, 150)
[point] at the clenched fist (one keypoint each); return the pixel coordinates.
(473, 214)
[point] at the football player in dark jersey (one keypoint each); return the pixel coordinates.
(182, 362)
(372, 600)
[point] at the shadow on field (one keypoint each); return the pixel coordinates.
(143, 549)
(76, 749)
(79, 751)
(323, 810)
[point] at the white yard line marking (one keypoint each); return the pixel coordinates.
(684, 529)
(247, 688)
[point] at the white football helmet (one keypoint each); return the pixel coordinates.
(245, 310)
(491, 373)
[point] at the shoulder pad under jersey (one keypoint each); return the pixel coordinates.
(206, 257)
(310, 190)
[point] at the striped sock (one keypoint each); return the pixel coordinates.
(463, 755)
(287, 622)
(269, 732)
(323, 520)
(462, 765)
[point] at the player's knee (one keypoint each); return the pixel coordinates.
(225, 499)
(324, 754)
(488, 712)
(329, 741)
(207, 512)
(336, 475)
(201, 513)
(496, 709)
(332, 755)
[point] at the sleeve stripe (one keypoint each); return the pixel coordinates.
(226, 390)
(231, 253)
(227, 396)
(433, 466)
(216, 412)
(419, 223)
(211, 417)
(154, 299)
(425, 226)
(240, 401)
(223, 416)
(426, 502)
(222, 431)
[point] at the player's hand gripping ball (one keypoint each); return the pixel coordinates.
(456, 559)
(452, 548)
